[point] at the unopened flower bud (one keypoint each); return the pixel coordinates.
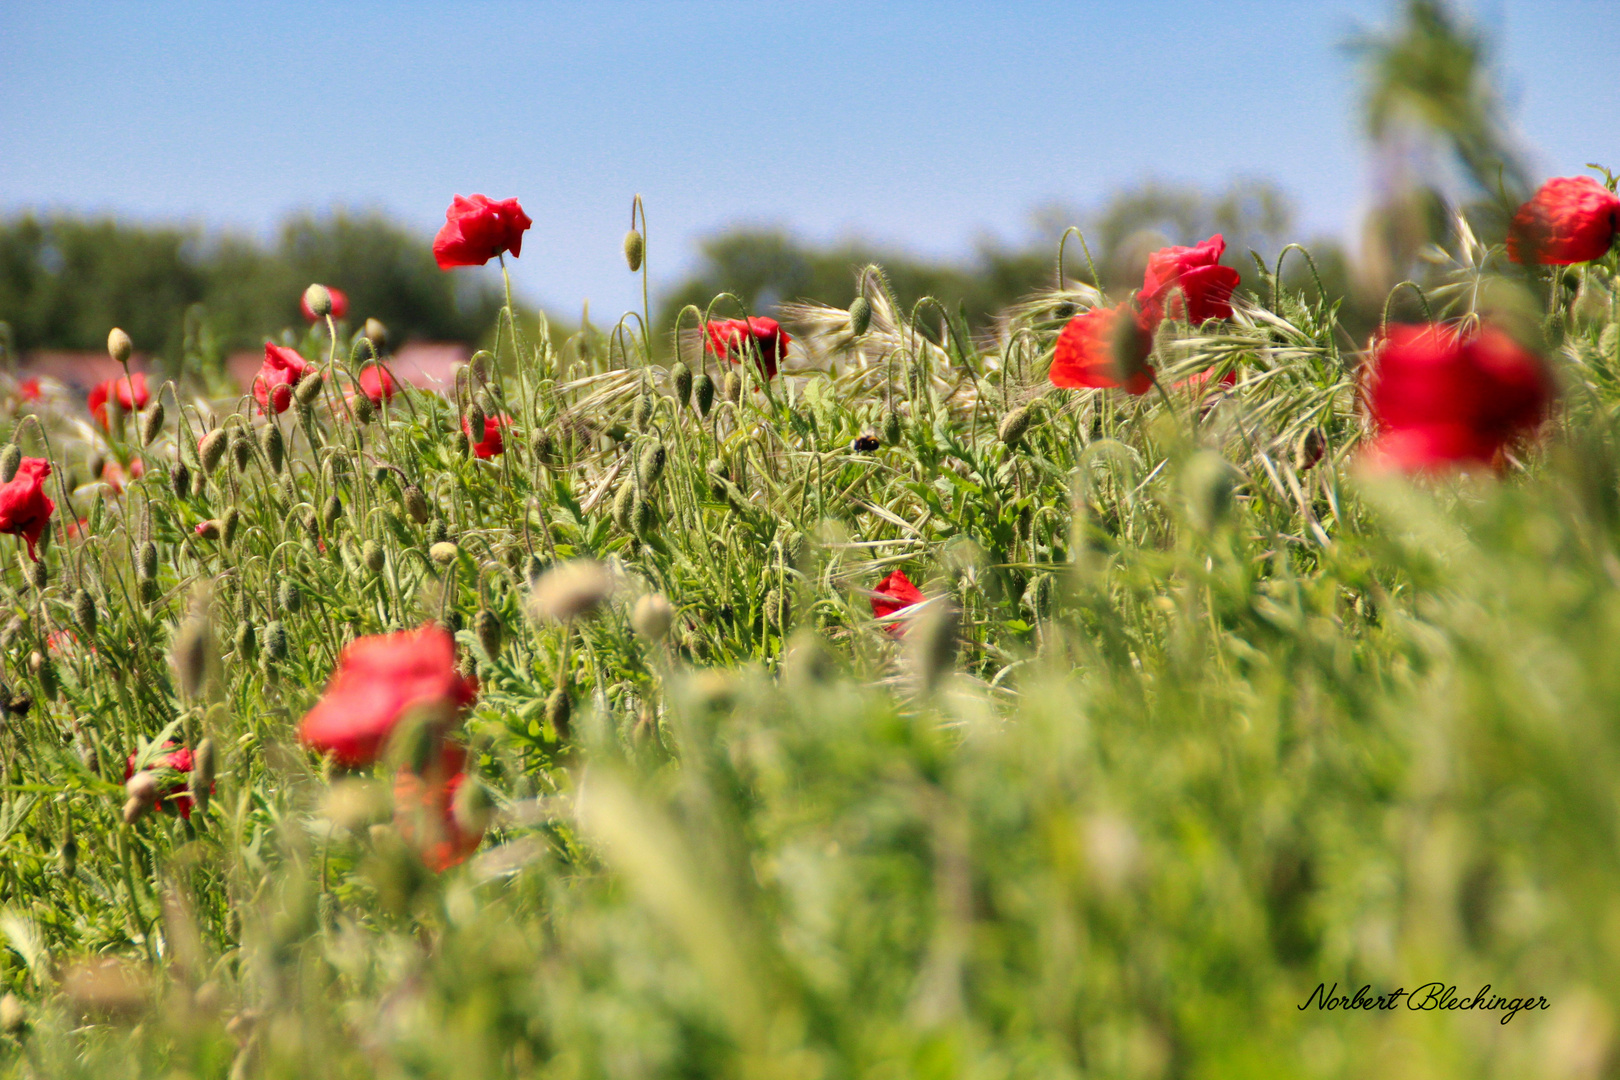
(544, 447)
(931, 643)
(180, 479)
(376, 333)
(84, 611)
(559, 713)
(371, 555)
(318, 299)
(481, 365)
(642, 517)
(650, 465)
(641, 415)
(634, 248)
(142, 790)
(416, 504)
(228, 524)
(1130, 347)
(119, 346)
(364, 413)
(208, 530)
(272, 445)
(10, 461)
(38, 574)
(623, 503)
(152, 423)
(778, 609)
(246, 641)
(570, 590)
(891, 428)
(69, 850)
(204, 765)
(1013, 426)
(147, 560)
(680, 380)
(331, 511)
(212, 449)
(651, 617)
(275, 640)
(703, 393)
(241, 450)
(444, 552)
(289, 598)
(733, 386)
(308, 388)
(860, 315)
(476, 420)
(487, 627)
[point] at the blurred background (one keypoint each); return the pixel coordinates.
(184, 169)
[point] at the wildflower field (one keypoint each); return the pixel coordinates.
(1182, 681)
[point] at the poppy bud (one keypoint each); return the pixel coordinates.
(641, 415)
(376, 333)
(488, 630)
(371, 554)
(641, 518)
(476, 420)
(482, 362)
(623, 502)
(180, 480)
(229, 524)
(38, 576)
(1013, 426)
(444, 552)
(288, 598)
(331, 511)
(246, 641)
(651, 464)
(272, 446)
(1208, 482)
(931, 643)
(318, 299)
(651, 617)
(891, 428)
(275, 640)
(84, 611)
(70, 850)
(544, 447)
(733, 386)
(241, 451)
(1311, 449)
(860, 315)
(308, 388)
(559, 711)
(680, 379)
(203, 768)
(152, 423)
(10, 461)
(363, 412)
(119, 346)
(212, 449)
(142, 791)
(416, 504)
(208, 530)
(439, 533)
(778, 609)
(703, 393)
(570, 590)
(147, 560)
(634, 248)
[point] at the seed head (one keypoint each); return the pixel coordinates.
(416, 504)
(10, 461)
(152, 423)
(443, 553)
(634, 248)
(559, 712)
(860, 315)
(119, 346)
(1013, 426)
(487, 627)
(570, 590)
(318, 298)
(703, 393)
(212, 449)
(651, 617)
(650, 466)
(680, 379)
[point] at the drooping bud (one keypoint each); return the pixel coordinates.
(119, 346)
(141, 791)
(371, 555)
(38, 575)
(487, 627)
(439, 533)
(559, 713)
(241, 450)
(416, 504)
(1130, 346)
(931, 643)
(194, 651)
(634, 248)
(642, 517)
(481, 364)
(860, 315)
(69, 850)
(651, 617)
(331, 511)
(204, 766)
(703, 393)
(778, 609)
(544, 447)
(1209, 483)
(272, 445)
(180, 479)
(570, 590)
(1013, 425)
(289, 598)
(246, 641)
(152, 423)
(84, 611)
(147, 560)
(308, 388)
(363, 411)
(623, 502)
(650, 466)
(443, 553)
(10, 461)
(891, 428)
(275, 640)
(208, 530)
(733, 386)
(229, 524)
(212, 449)
(318, 299)
(641, 415)
(680, 380)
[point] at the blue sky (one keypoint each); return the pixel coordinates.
(919, 125)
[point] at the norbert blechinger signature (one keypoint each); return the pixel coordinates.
(1430, 997)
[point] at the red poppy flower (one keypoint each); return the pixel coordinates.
(478, 229)
(172, 793)
(492, 443)
(895, 593)
(378, 384)
(1191, 281)
(113, 475)
(1440, 398)
(1570, 219)
(377, 681)
(1199, 381)
(424, 810)
(28, 389)
(282, 370)
(25, 509)
(132, 395)
(340, 305)
(731, 338)
(1104, 347)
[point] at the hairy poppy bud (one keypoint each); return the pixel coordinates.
(241, 450)
(476, 420)
(651, 617)
(70, 850)
(544, 447)
(703, 393)
(481, 365)
(229, 524)
(180, 480)
(641, 517)
(331, 511)
(318, 299)
(623, 502)
(778, 609)
(119, 346)
(376, 333)
(1209, 482)
(416, 504)
(208, 530)
(84, 611)
(891, 428)
(650, 466)
(444, 552)
(288, 598)
(147, 560)
(860, 315)
(1013, 426)
(271, 444)
(10, 461)
(439, 533)
(634, 248)
(559, 712)
(1311, 449)
(371, 554)
(204, 765)
(733, 387)
(275, 640)
(142, 790)
(570, 590)
(363, 411)
(1130, 345)
(487, 627)
(38, 576)
(246, 640)
(212, 449)
(308, 388)
(152, 423)
(641, 415)
(680, 380)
